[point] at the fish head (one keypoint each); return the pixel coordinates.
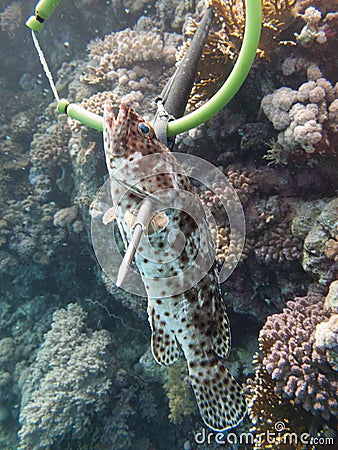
(127, 136)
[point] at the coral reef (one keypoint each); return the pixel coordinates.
(320, 248)
(51, 168)
(297, 365)
(68, 383)
(305, 119)
(181, 400)
(274, 417)
(11, 18)
(223, 42)
(110, 58)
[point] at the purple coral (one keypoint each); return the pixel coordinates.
(300, 369)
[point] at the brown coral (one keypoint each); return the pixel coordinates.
(11, 18)
(275, 418)
(225, 37)
(123, 49)
(277, 244)
(51, 149)
(181, 401)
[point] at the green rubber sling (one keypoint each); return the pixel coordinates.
(42, 11)
(234, 81)
(211, 107)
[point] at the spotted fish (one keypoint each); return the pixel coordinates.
(185, 308)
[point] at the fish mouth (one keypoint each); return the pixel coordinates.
(116, 115)
(121, 123)
(116, 128)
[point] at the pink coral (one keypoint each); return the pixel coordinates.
(300, 369)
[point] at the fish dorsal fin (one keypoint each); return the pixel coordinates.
(164, 346)
(219, 397)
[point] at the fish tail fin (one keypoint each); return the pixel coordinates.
(219, 397)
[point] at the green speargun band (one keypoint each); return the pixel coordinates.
(42, 11)
(227, 91)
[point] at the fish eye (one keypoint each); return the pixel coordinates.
(145, 130)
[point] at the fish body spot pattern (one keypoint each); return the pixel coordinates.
(194, 320)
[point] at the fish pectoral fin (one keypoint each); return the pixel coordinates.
(109, 216)
(164, 345)
(156, 224)
(219, 397)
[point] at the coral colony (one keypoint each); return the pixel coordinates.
(76, 371)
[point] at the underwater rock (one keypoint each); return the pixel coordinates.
(331, 300)
(4, 413)
(315, 258)
(326, 339)
(306, 214)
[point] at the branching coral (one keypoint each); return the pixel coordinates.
(67, 384)
(297, 366)
(181, 401)
(50, 149)
(277, 244)
(228, 247)
(326, 336)
(221, 193)
(123, 50)
(305, 120)
(317, 29)
(277, 422)
(220, 199)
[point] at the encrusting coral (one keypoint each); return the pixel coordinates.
(68, 383)
(320, 245)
